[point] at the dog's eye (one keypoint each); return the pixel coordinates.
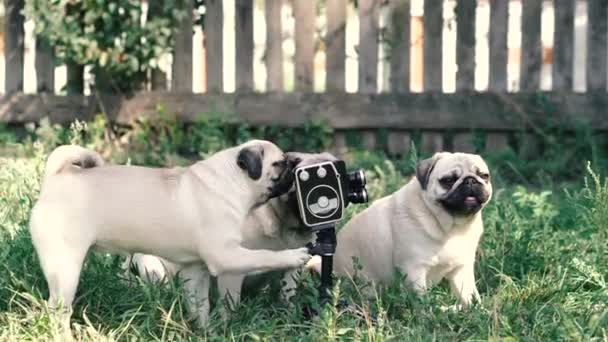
(281, 163)
(448, 181)
(484, 176)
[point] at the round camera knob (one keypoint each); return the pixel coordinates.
(323, 202)
(321, 172)
(304, 176)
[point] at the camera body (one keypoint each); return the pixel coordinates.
(325, 189)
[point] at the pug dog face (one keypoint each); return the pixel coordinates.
(267, 166)
(458, 182)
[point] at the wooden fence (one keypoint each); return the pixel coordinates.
(436, 120)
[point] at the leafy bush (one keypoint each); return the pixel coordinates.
(555, 152)
(108, 35)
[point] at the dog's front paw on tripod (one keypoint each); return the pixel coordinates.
(314, 264)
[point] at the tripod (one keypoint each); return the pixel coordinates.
(325, 246)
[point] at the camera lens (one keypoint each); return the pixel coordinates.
(356, 179)
(359, 196)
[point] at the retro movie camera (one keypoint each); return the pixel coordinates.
(323, 191)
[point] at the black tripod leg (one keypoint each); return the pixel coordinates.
(326, 281)
(325, 246)
(326, 240)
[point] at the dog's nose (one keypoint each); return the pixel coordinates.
(470, 181)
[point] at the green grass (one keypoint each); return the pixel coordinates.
(542, 264)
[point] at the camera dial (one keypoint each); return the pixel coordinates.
(322, 201)
(304, 176)
(321, 172)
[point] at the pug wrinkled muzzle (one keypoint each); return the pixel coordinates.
(467, 199)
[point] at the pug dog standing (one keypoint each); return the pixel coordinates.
(429, 229)
(190, 216)
(275, 225)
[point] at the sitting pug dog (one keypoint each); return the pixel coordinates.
(190, 216)
(275, 225)
(429, 229)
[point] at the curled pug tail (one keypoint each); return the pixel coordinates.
(69, 157)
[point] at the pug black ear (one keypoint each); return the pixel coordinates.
(424, 169)
(294, 158)
(250, 160)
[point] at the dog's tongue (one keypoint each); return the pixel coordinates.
(470, 200)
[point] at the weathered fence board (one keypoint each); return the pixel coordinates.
(14, 38)
(398, 142)
(304, 14)
(24, 108)
(465, 60)
(243, 26)
(429, 111)
(214, 48)
(339, 144)
(563, 45)
(158, 78)
(499, 15)
(45, 67)
(463, 142)
(496, 141)
(597, 13)
(431, 142)
(433, 45)
(368, 46)
(274, 46)
(400, 51)
(531, 57)
(368, 138)
(181, 77)
(465, 47)
(335, 42)
(75, 79)
(529, 146)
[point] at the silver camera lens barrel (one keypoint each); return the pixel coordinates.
(358, 196)
(357, 179)
(365, 197)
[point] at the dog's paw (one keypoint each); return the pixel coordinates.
(296, 257)
(314, 264)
